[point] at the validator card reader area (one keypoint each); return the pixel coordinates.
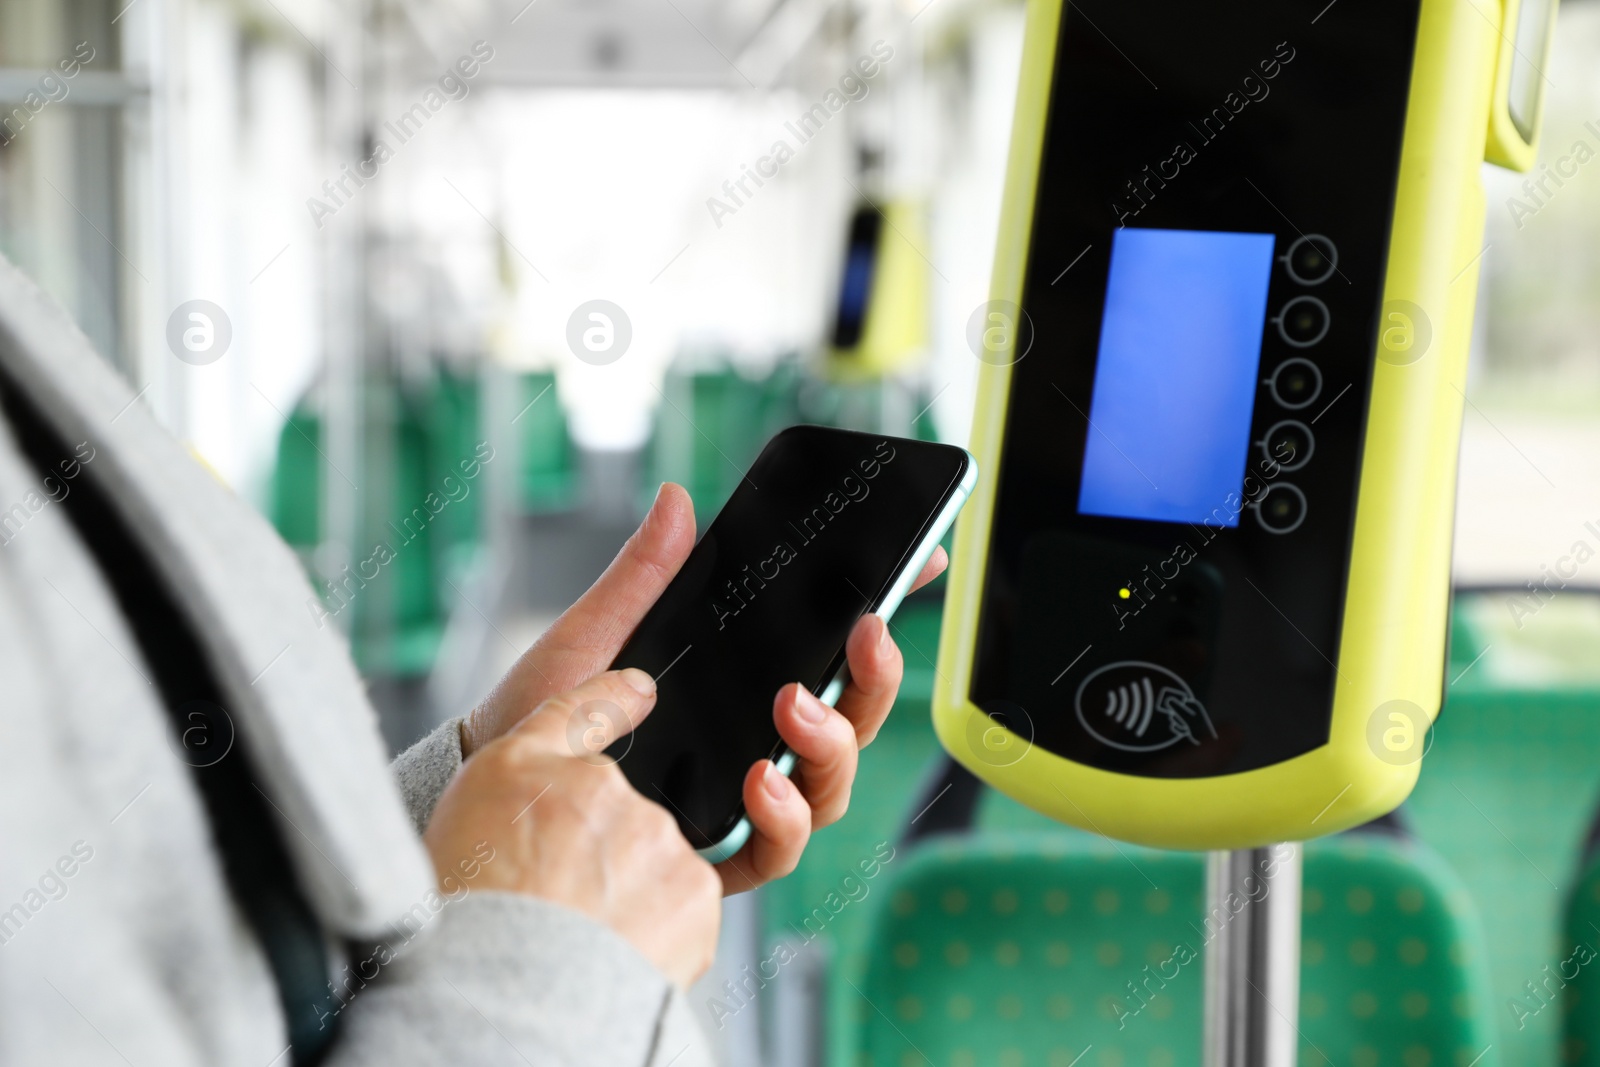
(1200, 597)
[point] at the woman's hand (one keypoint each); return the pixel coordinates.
(783, 812)
(571, 830)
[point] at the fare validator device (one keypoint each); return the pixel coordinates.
(1200, 596)
(879, 326)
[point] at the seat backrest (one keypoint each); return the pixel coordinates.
(1031, 948)
(1571, 977)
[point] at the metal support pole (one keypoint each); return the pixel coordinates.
(1252, 933)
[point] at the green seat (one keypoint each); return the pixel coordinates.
(711, 425)
(1017, 949)
(1507, 791)
(1022, 949)
(452, 422)
(398, 618)
(547, 475)
(1575, 964)
(295, 489)
(1393, 963)
(419, 518)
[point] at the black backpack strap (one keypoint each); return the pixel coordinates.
(254, 859)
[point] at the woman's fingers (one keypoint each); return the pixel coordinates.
(780, 826)
(826, 751)
(784, 812)
(875, 671)
(932, 569)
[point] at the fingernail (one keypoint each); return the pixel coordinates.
(662, 488)
(883, 633)
(638, 681)
(810, 708)
(777, 785)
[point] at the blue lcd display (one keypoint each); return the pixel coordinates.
(857, 282)
(1175, 379)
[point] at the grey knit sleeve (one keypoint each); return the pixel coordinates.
(520, 982)
(424, 769)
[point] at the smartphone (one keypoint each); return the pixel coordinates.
(826, 526)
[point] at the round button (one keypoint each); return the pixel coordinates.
(1303, 321)
(1296, 383)
(1281, 509)
(1289, 444)
(1311, 260)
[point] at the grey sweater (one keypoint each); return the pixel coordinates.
(119, 940)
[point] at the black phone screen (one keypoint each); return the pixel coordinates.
(812, 539)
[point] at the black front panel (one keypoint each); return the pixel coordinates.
(1176, 494)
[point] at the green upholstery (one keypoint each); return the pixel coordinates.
(295, 493)
(1577, 963)
(851, 405)
(1393, 966)
(415, 436)
(1019, 949)
(547, 476)
(453, 424)
(923, 426)
(711, 425)
(1015, 949)
(398, 618)
(1508, 789)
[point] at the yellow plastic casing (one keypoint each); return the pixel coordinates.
(1392, 643)
(1506, 144)
(894, 334)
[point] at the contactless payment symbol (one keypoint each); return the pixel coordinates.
(1141, 707)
